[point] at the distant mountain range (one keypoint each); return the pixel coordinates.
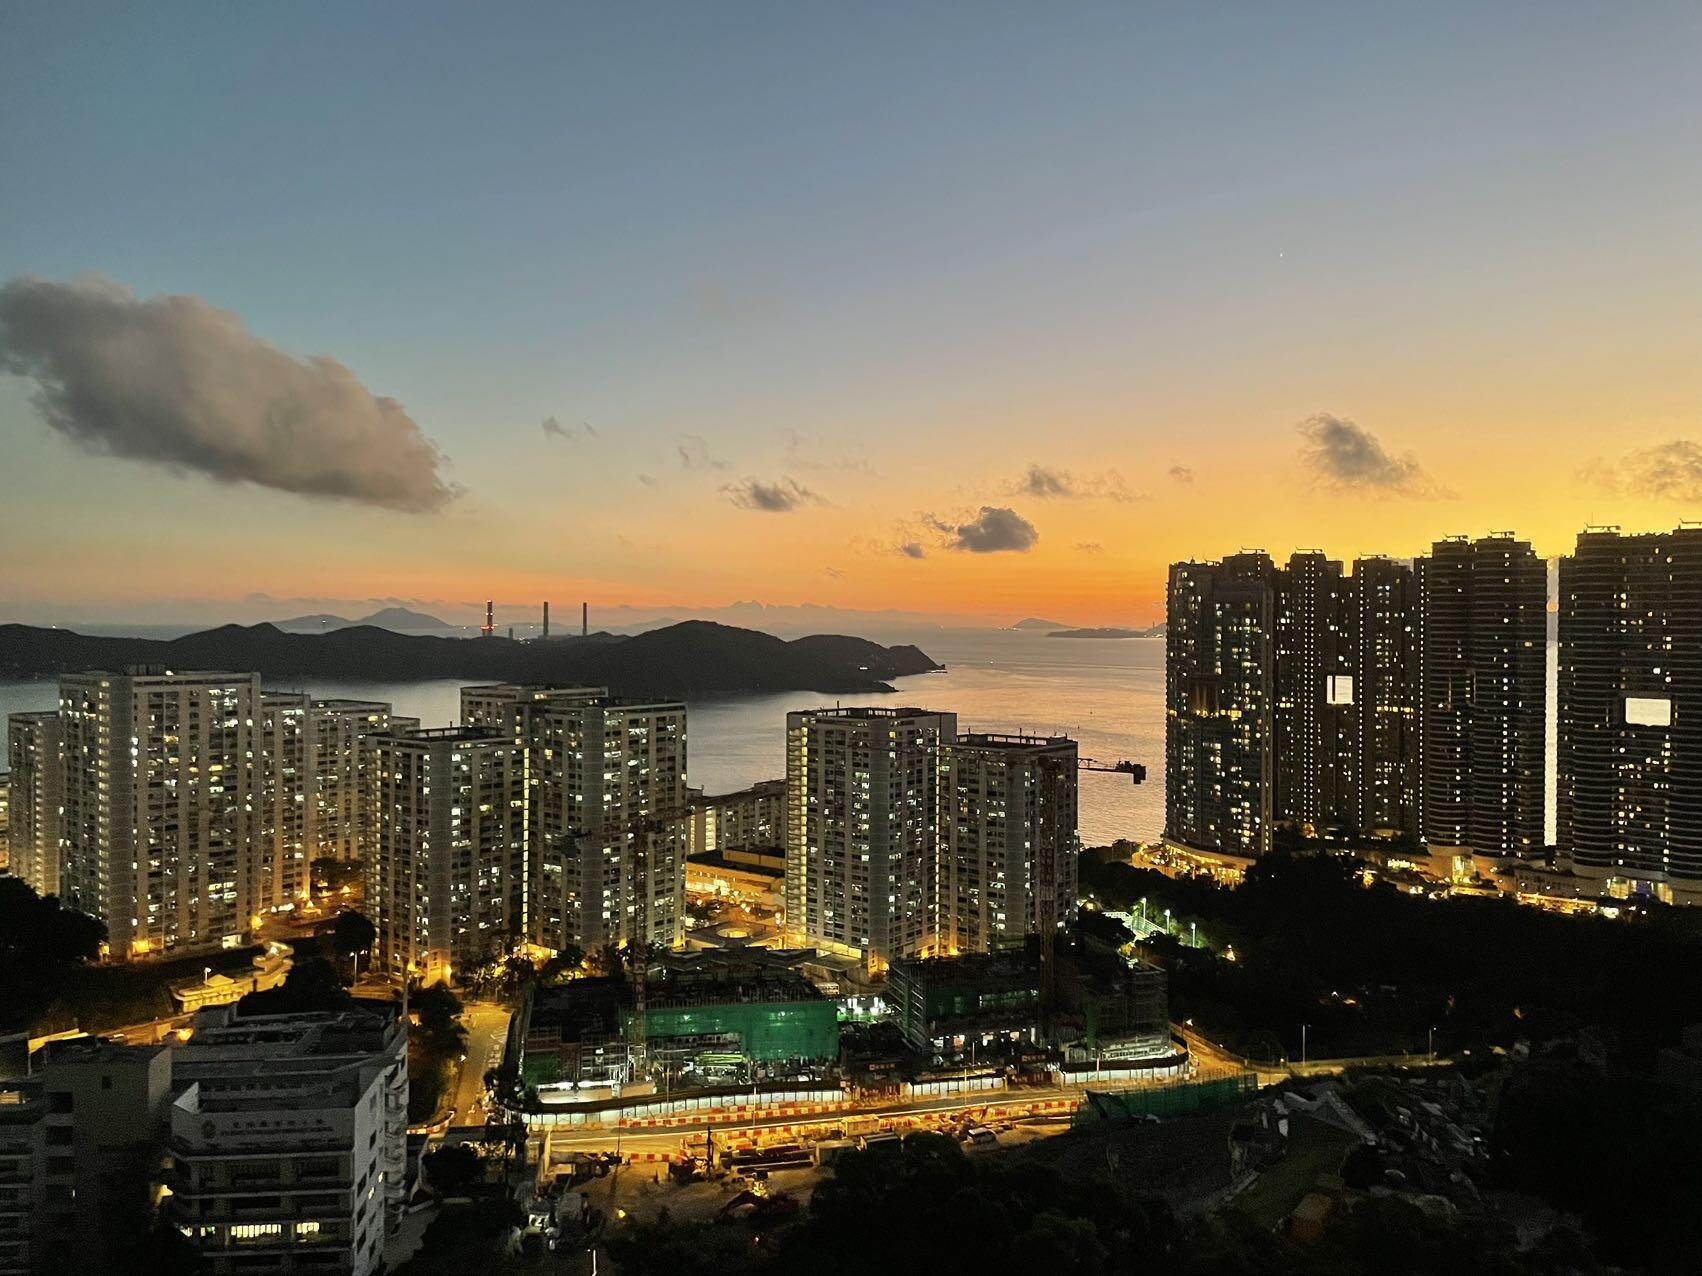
(693, 658)
(396, 619)
(1035, 623)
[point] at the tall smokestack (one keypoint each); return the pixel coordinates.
(584, 620)
(546, 618)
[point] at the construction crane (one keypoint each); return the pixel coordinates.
(1134, 770)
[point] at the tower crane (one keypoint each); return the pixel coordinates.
(1136, 771)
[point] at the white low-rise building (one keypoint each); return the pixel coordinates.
(288, 1140)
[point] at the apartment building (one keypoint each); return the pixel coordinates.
(1008, 852)
(1629, 783)
(159, 838)
(36, 789)
(862, 812)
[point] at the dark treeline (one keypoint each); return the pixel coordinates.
(927, 1207)
(1372, 970)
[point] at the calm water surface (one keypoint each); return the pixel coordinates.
(1106, 693)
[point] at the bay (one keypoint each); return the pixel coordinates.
(1108, 694)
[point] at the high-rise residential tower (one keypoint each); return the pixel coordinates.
(1484, 635)
(862, 812)
(1312, 716)
(446, 851)
(1629, 780)
(1007, 850)
(283, 788)
(338, 729)
(1220, 692)
(609, 821)
(160, 836)
(36, 750)
(1291, 701)
(1385, 692)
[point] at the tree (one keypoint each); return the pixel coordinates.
(668, 1248)
(435, 1010)
(453, 1169)
(563, 966)
(313, 984)
(477, 1237)
(36, 929)
(353, 933)
(605, 960)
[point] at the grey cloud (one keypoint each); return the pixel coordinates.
(1049, 484)
(1090, 547)
(812, 454)
(911, 549)
(994, 530)
(1668, 471)
(649, 480)
(1182, 473)
(694, 454)
(770, 498)
(1042, 482)
(176, 382)
(1343, 455)
(555, 429)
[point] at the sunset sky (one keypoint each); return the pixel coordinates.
(973, 310)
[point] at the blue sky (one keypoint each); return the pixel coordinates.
(894, 254)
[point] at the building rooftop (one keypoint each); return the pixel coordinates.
(868, 712)
(351, 706)
(450, 735)
(97, 1050)
(1003, 740)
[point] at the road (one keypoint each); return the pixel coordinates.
(595, 1138)
(1208, 1056)
(487, 1030)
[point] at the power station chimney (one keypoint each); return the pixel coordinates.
(488, 630)
(546, 618)
(584, 620)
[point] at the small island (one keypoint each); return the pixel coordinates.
(1155, 632)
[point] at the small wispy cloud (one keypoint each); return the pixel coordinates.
(1665, 472)
(1182, 473)
(694, 454)
(815, 455)
(770, 498)
(1048, 484)
(554, 429)
(912, 549)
